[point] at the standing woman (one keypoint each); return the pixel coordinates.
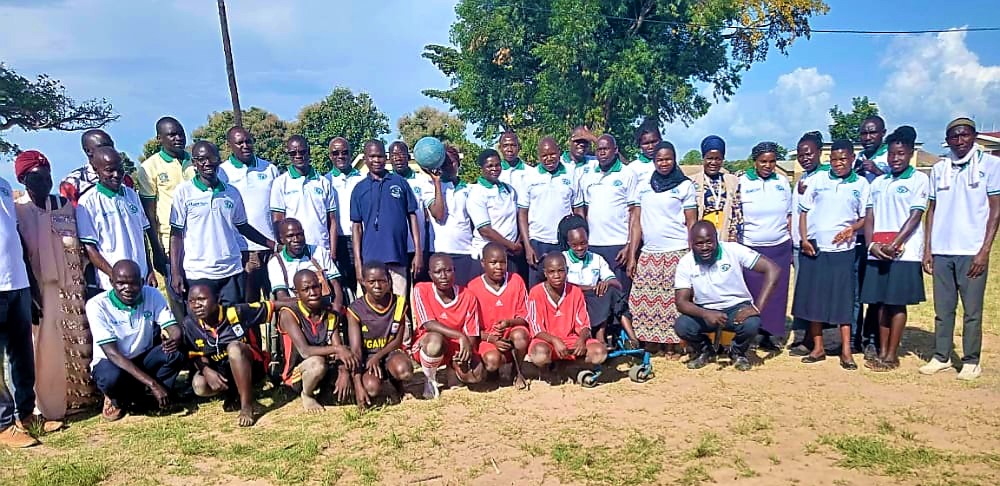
(450, 230)
(63, 343)
(718, 192)
(767, 209)
(647, 137)
(896, 245)
(667, 209)
(492, 209)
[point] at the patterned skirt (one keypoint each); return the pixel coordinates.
(654, 310)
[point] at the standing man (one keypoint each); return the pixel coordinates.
(450, 227)
(421, 185)
(550, 193)
(965, 186)
(873, 160)
(82, 179)
(578, 158)
(512, 168)
(610, 195)
(301, 193)
(343, 177)
(252, 177)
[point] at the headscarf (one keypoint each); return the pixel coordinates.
(663, 183)
(713, 142)
(28, 160)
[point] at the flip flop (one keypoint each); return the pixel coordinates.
(848, 365)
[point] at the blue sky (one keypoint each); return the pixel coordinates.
(154, 58)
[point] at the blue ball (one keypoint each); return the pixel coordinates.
(429, 153)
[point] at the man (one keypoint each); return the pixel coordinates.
(578, 158)
(872, 161)
(343, 176)
(512, 167)
(295, 256)
(711, 292)
(82, 179)
(610, 197)
(450, 229)
(301, 193)
(421, 185)
(206, 222)
(550, 193)
(112, 226)
(252, 177)
(127, 322)
(383, 219)
(965, 192)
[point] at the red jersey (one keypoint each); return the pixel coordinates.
(563, 319)
(496, 305)
(461, 314)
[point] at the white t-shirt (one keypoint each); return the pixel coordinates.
(892, 200)
(13, 272)
(254, 184)
(130, 329)
(804, 180)
(114, 223)
(831, 205)
(767, 204)
(577, 169)
(548, 198)
(720, 285)
(293, 265)
(587, 271)
(961, 210)
(493, 205)
(608, 196)
(421, 184)
(309, 199)
(513, 175)
(661, 216)
(455, 235)
(643, 169)
(344, 184)
(208, 218)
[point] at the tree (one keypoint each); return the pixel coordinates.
(846, 125)
(127, 163)
(427, 121)
(342, 114)
(692, 157)
(42, 104)
(269, 133)
(227, 50)
(149, 148)
(554, 64)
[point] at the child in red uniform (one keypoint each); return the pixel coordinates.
(558, 316)
(448, 326)
(503, 302)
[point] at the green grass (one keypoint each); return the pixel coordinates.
(709, 445)
(636, 461)
(876, 453)
(70, 471)
(693, 476)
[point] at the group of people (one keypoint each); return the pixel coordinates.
(335, 284)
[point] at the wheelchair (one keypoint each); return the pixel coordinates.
(641, 370)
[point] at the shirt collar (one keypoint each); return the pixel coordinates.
(105, 190)
(753, 175)
(587, 257)
(221, 320)
(616, 167)
(500, 186)
(295, 174)
(905, 175)
(560, 170)
(409, 173)
(118, 304)
(335, 172)
(851, 177)
(819, 168)
(170, 158)
(239, 164)
(518, 166)
(642, 158)
(289, 258)
(219, 186)
(881, 150)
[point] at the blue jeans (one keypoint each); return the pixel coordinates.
(16, 346)
(693, 329)
(123, 389)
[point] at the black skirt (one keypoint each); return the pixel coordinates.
(892, 283)
(824, 287)
(612, 305)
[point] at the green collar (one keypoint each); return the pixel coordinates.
(290, 258)
(295, 174)
(459, 185)
(115, 301)
(819, 168)
(642, 158)
(501, 187)
(219, 186)
(505, 166)
(905, 175)
(616, 167)
(408, 174)
(560, 170)
(575, 259)
(881, 150)
(851, 177)
(753, 176)
(170, 158)
(335, 172)
(567, 159)
(101, 188)
(718, 252)
(239, 164)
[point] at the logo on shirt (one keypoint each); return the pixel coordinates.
(618, 183)
(725, 267)
(162, 177)
(5, 192)
(499, 303)
(902, 189)
(396, 191)
(566, 182)
(262, 176)
(132, 208)
(228, 204)
(856, 193)
(781, 188)
(147, 315)
(238, 330)
(318, 190)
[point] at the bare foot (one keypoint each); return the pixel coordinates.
(246, 417)
(311, 405)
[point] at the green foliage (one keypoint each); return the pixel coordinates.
(127, 163)
(737, 166)
(692, 157)
(269, 133)
(427, 121)
(149, 148)
(341, 114)
(847, 125)
(554, 64)
(42, 104)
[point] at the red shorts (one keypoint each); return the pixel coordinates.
(451, 347)
(569, 342)
(485, 347)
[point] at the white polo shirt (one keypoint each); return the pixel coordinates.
(548, 198)
(608, 196)
(493, 205)
(308, 198)
(293, 265)
(831, 205)
(513, 175)
(130, 329)
(254, 184)
(344, 184)
(720, 285)
(13, 273)
(804, 180)
(208, 218)
(961, 210)
(892, 200)
(577, 169)
(455, 235)
(421, 185)
(643, 168)
(589, 270)
(767, 204)
(661, 217)
(115, 223)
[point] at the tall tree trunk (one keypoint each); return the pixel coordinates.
(227, 48)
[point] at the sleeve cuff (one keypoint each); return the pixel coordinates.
(109, 340)
(168, 324)
(487, 223)
(148, 198)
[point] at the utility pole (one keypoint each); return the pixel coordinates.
(228, 49)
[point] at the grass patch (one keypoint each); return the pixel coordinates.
(884, 427)
(635, 461)
(693, 476)
(743, 469)
(756, 428)
(68, 471)
(708, 445)
(868, 452)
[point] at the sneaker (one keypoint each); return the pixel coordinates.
(15, 437)
(871, 352)
(431, 389)
(741, 363)
(110, 412)
(40, 424)
(935, 366)
(970, 372)
(701, 360)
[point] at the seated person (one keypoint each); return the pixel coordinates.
(448, 326)
(126, 323)
(558, 317)
(312, 348)
(607, 304)
(374, 330)
(711, 292)
(297, 255)
(503, 302)
(224, 345)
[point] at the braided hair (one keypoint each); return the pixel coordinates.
(814, 137)
(763, 148)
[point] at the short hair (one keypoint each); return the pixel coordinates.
(371, 142)
(552, 255)
(165, 120)
(763, 148)
(301, 274)
(649, 125)
(398, 143)
(205, 143)
(842, 144)
(298, 138)
(494, 246)
(232, 130)
(814, 137)
(485, 154)
(285, 223)
(905, 135)
(876, 119)
(374, 265)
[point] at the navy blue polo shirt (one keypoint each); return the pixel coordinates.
(383, 208)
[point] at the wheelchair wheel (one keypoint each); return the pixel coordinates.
(639, 374)
(586, 378)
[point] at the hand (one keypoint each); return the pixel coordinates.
(418, 264)
(745, 313)
(845, 236)
(560, 348)
(435, 175)
(802, 187)
(870, 166)
(928, 263)
(160, 394)
(160, 263)
(517, 249)
(253, 263)
(177, 282)
(979, 263)
(808, 249)
(151, 279)
(878, 250)
(503, 345)
(500, 327)
(361, 397)
(170, 345)
(342, 386)
(347, 357)
(580, 348)
(715, 318)
(601, 288)
(464, 350)
(529, 255)
(214, 379)
(373, 366)
(622, 257)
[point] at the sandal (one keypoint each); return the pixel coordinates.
(110, 412)
(848, 365)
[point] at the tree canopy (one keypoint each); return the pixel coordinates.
(846, 125)
(42, 104)
(692, 157)
(341, 114)
(269, 133)
(428, 121)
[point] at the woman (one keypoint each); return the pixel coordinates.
(667, 209)
(492, 209)
(718, 192)
(647, 137)
(832, 212)
(63, 345)
(767, 208)
(896, 245)
(807, 154)
(450, 230)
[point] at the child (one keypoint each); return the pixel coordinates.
(503, 302)
(374, 325)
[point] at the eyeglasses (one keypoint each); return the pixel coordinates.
(337, 153)
(292, 153)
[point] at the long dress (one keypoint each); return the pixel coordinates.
(63, 344)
